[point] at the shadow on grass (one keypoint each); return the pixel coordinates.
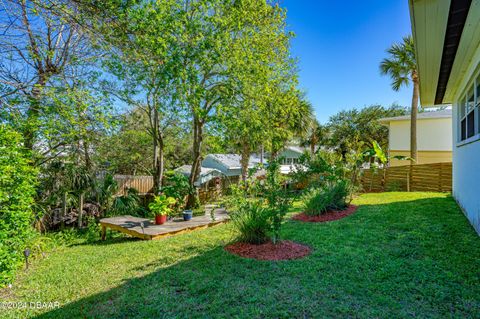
(400, 259)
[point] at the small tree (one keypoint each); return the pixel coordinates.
(277, 199)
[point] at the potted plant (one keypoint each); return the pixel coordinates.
(187, 214)
(161, 207)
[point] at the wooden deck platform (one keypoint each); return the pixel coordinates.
(133, 225)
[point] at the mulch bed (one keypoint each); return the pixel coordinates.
(283, 250)
(328, 216)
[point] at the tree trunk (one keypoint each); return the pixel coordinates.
(80, 209)
(413, 120)
(244, 161)
(158, 163)
(64, 210)
(158, 152)
(33, 113)
(88, 161)
(313, 143)
(197, 159)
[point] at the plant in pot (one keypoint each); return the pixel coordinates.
(161, 207)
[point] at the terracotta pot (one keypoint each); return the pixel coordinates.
(160, 219)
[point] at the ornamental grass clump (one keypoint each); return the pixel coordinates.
(332, 196)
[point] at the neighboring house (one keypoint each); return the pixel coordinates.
(290, 156)
(447, 42)
(206, 174)
(228, 164)
(434, 137)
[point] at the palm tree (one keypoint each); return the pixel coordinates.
(402, 68)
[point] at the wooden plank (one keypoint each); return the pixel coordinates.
(132, 225)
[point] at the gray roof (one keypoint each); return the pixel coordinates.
(186, 169)
(232, 161)
(447, 113)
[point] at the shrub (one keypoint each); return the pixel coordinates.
(251, 221)
(318, 201)
(17, 189)
(259, 208)
(178, 187)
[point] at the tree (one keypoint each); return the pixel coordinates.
(37, 45)
(401, 66)
(349, 131)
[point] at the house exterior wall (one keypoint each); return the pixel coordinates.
(466, 157)
(432, 135)
(423, 157)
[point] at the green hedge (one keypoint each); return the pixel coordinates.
(17, 189)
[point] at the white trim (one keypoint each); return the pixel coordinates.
(469, 140)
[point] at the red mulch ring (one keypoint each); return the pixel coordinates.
(328, 216)
(283, 250)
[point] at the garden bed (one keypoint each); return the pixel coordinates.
(283, 250)
(330, 215)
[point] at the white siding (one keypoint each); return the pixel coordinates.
(466, 177)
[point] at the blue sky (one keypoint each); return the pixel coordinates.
(340, 44)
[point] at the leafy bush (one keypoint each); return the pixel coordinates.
(17, 189)
(318, 169)
(178, 187)
(332, 196)
(128, 204)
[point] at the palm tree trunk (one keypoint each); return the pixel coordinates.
(413, 120)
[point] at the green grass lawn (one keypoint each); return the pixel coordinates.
(400, 255)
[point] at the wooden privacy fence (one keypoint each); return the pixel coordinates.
(143, 184)
(435, 177)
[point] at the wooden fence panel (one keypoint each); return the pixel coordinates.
(435, 177)
(143, 184)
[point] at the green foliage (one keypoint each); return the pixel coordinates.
(162, 205)
(258, 208)
(317, 169)
(251, 221)
(401, 64)
(278, 201)
(17, 189)
(350, 130)
(128, 204)
(332, 196)
(176, 185)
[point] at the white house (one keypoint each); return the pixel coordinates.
(434, 137)
(290, 156)
(206, 174)
(447, 43)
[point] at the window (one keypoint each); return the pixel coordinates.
(468, 111)
(463, 120)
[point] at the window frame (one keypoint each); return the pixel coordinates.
(465, 108)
